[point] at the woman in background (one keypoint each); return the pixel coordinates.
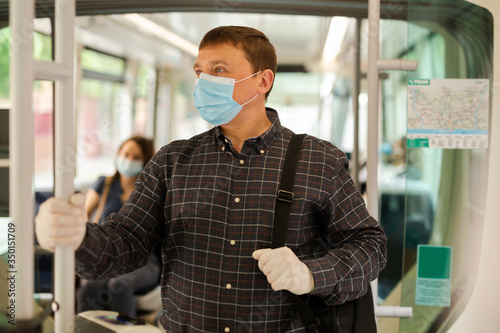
(133, 155)
(107, 196)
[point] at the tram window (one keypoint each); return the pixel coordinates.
(42, 106)
(4, 66)
(296, 98)
(42, 50)
(42, 47)
(101, 62)
(144, 100)
(115, 101)
(103, 110)
(43, 114)
(444, 188)
(43, 111)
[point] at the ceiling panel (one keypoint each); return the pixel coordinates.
(296, 38)
(352, 8)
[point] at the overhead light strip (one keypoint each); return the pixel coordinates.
(162, 33)
(336, 34)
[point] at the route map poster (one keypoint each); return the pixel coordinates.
(448, 113)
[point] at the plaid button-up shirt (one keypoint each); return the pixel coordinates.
(211, 207)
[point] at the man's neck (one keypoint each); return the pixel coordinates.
(243, 128)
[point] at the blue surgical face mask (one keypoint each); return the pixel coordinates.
(213, 97)
(127, 167)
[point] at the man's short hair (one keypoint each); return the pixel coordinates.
(258, 49)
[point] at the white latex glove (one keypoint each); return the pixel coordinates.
(60, 223)
(284, 270)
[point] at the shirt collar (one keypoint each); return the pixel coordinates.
(263, 141)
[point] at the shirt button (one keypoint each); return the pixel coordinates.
(242, 162)
(226, 140)
(262, 152)
(236, 200)
(223, 148)
(227, 329)
(228, 286)
(232, 242)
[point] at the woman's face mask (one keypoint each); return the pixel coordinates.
(213, 97)
(128, 167)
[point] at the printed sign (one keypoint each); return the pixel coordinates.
(433, 275)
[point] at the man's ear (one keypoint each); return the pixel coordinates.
(266, 81)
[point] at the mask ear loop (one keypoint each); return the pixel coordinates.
(248, 77)
(242, 105)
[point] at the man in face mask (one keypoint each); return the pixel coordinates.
(231, 91)
(210, 202)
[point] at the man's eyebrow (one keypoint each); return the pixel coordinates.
(213, 63)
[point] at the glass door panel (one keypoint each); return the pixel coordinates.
(445, 181)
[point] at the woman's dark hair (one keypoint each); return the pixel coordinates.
(146, 145)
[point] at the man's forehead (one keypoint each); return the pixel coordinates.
(221, 44)
(219, 47)
(224, 54)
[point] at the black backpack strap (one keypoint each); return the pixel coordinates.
(284, 196)
(284, 201)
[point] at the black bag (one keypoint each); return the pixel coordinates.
(357, 316)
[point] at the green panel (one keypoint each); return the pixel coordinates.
(418, 143)
(434, 262)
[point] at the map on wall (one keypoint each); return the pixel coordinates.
(448, 113)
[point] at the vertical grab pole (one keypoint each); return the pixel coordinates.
(373, 114)
(355, 105)
(64, 276)
(21, 153)
(373, 97)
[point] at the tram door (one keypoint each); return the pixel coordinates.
(434, 154)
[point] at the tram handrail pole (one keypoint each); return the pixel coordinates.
(21, 155)
(65, 161)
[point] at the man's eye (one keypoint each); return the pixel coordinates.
(219, 70)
